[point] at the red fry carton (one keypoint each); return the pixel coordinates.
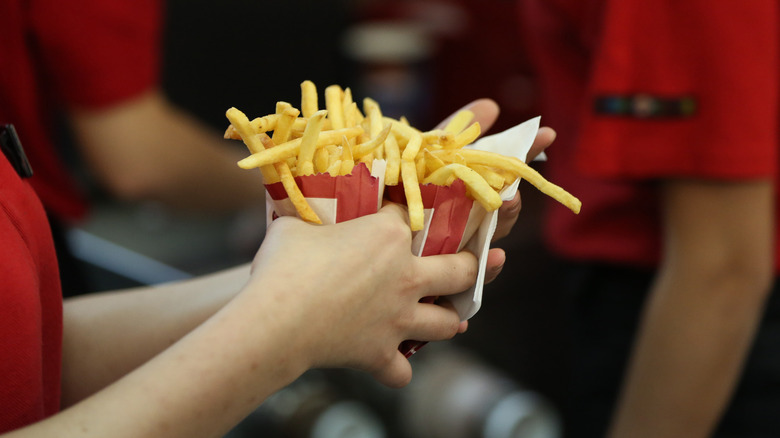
(453, 221)
(334, 199)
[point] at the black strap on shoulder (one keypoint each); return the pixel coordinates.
(13, 151)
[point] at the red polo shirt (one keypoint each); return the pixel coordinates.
(640, 91)
(31, 310)
(55, 55)
(62, 54)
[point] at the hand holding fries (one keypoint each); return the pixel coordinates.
(357, 317)
(336, 163)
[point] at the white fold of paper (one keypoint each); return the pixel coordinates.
(514, 142)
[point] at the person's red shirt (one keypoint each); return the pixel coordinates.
(62, 54)
(55, 55)
(641, 91)
(31, 310)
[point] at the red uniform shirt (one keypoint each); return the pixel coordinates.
(55, 54)
(60, 54)
(641, 91)
(30, 307)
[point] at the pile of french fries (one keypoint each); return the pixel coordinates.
(335, 139)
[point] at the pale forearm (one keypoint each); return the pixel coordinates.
(687, 359)
(200, 387)
(703, 310)
(108, 335)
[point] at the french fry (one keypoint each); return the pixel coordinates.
(347, 159)
(321, 160)
(492, 177)
(467, 136)
(413, 195)
(284, 126)
(459, 121)
(346, 106)
(334, 168)
(281, 106)
(309, 143)
(244, 129)
(291, 187)
(334, 103)
(260, 124)
(438, 137)
(402, 131)
(291, 148)
(421, 168)
(374, 114)
(393, 158)
(375, 125)
(432, 162)
(309, 103)
(520, 169)
(477, 186)
(268, 123)
(369, 146)
(412, 147)
(371, 107)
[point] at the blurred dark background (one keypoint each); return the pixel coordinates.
(421, 59)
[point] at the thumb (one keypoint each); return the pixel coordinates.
(395, 374)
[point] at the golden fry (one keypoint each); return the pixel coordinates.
(393, 158)
(369, 146)
(321, 160)
(347, 159)
(244, 129)
(309, 103)
(309, 143)
(477, 186)
(268, 123)
(371, 107)
(412, 147)
(291, 148)
(291, 187)
(493, 178)
(296, 196)
(284, 125)
(334, 100)
(465, 137)
(520, 169)
(432, 162)
(413, 196)
(459, 121)
(437, 137)
(346, 106)
(282, 106)
(403, 132)
(421, 168)
(334, 168)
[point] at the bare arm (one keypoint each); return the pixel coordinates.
(703, 310)
(147, 149)
(108, 335)
(312, 300)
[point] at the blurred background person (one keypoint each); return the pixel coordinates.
(670, 140)
(103, 95)
(666, 114)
